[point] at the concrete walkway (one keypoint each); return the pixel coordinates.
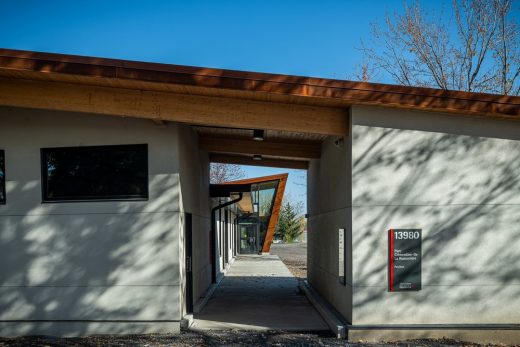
(259, 293)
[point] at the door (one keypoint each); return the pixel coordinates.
(188, 249)
(248, 238)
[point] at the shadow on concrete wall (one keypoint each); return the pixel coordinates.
(463, 192)
(100, 261)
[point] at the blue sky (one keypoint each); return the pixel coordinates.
(296, 187)
(317, 38)
(313, 38)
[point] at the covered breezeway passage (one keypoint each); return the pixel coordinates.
(259, 293)
(255, 290)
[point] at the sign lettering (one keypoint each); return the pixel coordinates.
(404, 259)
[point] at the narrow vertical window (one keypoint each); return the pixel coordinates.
(2, 177)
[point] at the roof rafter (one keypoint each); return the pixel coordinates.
(270, 162)
(249, 146)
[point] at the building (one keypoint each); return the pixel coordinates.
(106, 216)
(255, 205)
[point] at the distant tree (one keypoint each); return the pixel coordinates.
(220, 173)
(477, 50)
(290, 222)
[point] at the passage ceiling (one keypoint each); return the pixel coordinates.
(278, 148)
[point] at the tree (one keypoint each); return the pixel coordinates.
(478, 50)
(290, 222)
(220, 173)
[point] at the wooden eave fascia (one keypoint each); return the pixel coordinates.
(347, 92)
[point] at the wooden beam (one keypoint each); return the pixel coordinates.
(270, 162)
(244, 146)
(292, 89)
(192, 109)
(159, 122)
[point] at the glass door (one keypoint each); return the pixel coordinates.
(248, 239)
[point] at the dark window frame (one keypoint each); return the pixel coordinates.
(3, 200)
(44, 177)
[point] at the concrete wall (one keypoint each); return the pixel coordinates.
(194, 173)
(457, 179)
(88, 267)
(329, 208)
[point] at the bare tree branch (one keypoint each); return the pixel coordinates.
(220, 173)
(480, 54)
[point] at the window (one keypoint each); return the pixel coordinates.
(2, 177)
(95, 173)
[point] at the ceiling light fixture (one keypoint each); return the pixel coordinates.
(258, 135)
(257, 157)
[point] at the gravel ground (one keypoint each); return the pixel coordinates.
(213, 338)
(294, 256)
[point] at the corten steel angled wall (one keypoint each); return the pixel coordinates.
(277, 203)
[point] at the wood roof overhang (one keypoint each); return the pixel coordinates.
(249, 85)
(297, 112)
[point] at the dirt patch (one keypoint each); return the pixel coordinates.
(298, 269)
(294, 256)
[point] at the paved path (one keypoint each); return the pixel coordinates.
(259, 293)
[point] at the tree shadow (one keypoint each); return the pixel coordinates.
(89, 266)
(462, 191)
